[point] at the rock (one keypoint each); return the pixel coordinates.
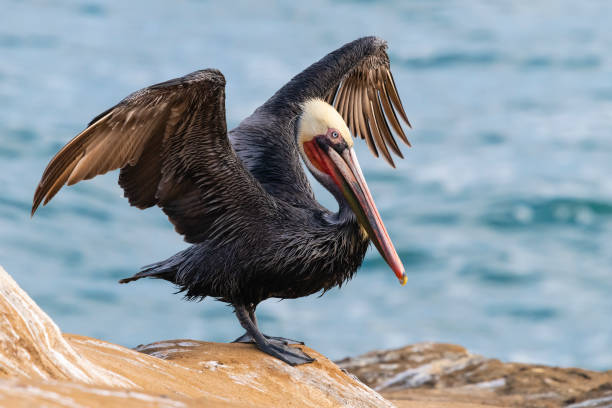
(32, 346)
(443, 372)
(41, 367)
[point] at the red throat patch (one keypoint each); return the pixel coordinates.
(319, 159)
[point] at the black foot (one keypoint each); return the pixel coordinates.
(247, 338)
(284, 340)
(274, 346)
(290, 355)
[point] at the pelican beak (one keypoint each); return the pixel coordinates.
(346, 173)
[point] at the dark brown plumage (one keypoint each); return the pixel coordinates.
(362, 97)
(242, 198)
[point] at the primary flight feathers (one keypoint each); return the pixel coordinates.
(362, 97)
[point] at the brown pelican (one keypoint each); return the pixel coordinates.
(241, 198)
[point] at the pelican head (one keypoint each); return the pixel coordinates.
(327, 149)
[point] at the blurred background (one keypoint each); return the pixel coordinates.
(502, 210)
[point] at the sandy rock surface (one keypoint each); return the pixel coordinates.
(41, 367)
(443, 373)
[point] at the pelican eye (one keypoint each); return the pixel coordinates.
(334, 135)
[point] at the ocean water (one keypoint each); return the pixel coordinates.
(502, 210)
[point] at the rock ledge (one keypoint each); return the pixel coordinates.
(41, 367)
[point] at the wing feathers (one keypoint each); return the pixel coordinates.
(61, 180)
(350, 107)
(339, 98)
(383, 126)
(390, 114)
(366, 133)
(140, 180)
(170, 141)
(394, 95)
(374, 128)
(331, 95)
(368, 100)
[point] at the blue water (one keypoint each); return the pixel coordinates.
(502, 211)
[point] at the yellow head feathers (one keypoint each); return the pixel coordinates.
(319, 116)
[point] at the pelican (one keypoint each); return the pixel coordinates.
(241, 198)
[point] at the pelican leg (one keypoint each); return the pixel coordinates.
(247, 338)
(276, 348)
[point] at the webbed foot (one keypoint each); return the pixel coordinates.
(247, 338)
(275, 346)
(290, 355)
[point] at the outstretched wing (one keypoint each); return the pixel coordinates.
(170, 141)
(369, 102)
(357, 80)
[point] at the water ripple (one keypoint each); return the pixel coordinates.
(451, 59)
(532, 313)
(28, 41)
(498, 276)
(558, 211)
